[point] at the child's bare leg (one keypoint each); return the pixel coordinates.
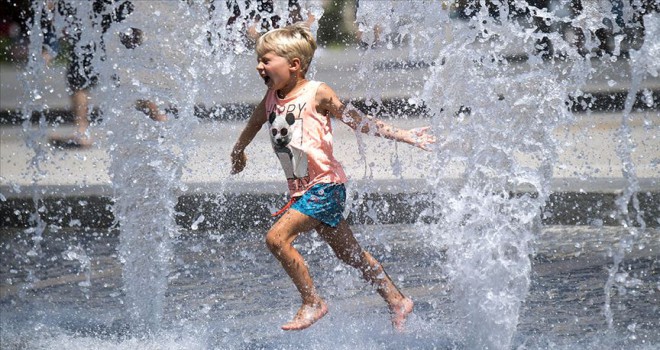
(346, 247)
(151, 109)
(80, 104)
(280, 242)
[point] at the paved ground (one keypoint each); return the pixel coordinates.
(590, 164)
(226, 291)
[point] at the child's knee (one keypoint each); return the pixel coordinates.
(274, 243)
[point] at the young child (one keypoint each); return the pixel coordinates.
(298, 113)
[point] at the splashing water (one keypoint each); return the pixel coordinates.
(499, 81)
(492, 115)
(147, 157)
(645, 63)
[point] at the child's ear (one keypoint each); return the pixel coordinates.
(295, 64)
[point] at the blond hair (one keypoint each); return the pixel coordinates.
(293, 41)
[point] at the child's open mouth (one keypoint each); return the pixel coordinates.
(266, 79)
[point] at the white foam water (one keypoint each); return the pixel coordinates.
(488, 113)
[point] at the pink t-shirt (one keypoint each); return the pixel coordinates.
(302, 139)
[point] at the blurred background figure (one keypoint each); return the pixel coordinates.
(131, 39)
(79, 22)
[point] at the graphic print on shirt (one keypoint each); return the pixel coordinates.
(286, 137)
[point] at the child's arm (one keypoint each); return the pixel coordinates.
(329, 102)
(238, 157)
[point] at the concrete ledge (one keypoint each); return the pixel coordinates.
(253, 209)
(612, 186)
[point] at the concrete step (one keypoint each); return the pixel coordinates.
(253, 210)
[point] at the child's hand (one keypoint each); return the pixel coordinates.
(421, 138)
(238, 161)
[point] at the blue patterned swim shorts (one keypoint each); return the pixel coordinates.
(323, 202)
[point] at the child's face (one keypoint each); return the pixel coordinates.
(275, 70)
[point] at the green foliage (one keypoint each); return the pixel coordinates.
(5, 49)
(333, 29)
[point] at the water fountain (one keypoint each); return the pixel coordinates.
(505, 86)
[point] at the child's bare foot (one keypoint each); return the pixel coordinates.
(400, 312)
(306, 316)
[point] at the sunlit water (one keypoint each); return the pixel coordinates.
(486, 274)
(488, 112)
(226, 291)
